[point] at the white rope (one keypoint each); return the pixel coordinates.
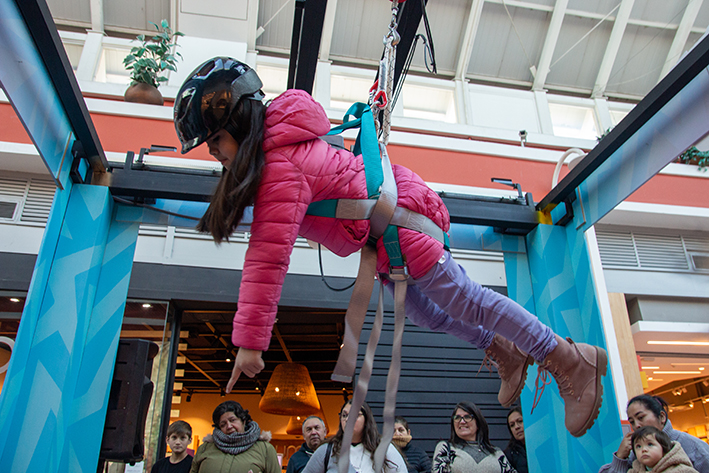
(385, 82)
(514, 27)
(262, 28)
(585, 36)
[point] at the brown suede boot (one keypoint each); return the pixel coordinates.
(577, 369)
(512, 367)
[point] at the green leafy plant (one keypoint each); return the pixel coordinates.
(607, 130)
(154, 56)
(694, 156)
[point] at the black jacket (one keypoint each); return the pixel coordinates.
(299, 459)
(516, 453)
(417, 460)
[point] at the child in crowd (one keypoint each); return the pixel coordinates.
(655, 452)
(179, 437)
(273, 160)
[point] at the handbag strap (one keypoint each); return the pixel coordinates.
(328, 450)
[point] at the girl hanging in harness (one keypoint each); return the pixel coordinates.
(274, 160)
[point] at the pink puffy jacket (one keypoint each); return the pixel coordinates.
(301, 169)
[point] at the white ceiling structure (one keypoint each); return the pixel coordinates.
(592, 48)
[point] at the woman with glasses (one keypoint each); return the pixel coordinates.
(469, 449)
(365, 440)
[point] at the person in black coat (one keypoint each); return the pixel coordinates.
(417, 460)
(314, 433)
(516, 451)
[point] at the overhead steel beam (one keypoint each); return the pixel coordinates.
(468, 40)
(552, 38)
(507, 215)
(604, 71)
(504, 215)
(305, 43)
(693, 63)
(328, 28)
(409, 19)
(138, 181)
(51, 50)
(681, 36)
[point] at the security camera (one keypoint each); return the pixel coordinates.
(523, 137)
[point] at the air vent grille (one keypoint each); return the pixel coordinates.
(617, 249)
(39, 201)
(653, 252)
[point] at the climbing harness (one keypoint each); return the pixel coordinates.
(384, 219)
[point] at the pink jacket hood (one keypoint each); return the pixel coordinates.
(293, 117)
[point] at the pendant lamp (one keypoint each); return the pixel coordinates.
(290, 391)
(295, 423)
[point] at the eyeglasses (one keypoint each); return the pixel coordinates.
(345, 415)
(467, 418)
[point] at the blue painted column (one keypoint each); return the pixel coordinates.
(55, 396)
(559, 278)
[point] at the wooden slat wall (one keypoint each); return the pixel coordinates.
(437, 372)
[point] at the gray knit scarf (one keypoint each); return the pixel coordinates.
(237, 442)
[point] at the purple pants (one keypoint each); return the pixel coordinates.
(446, 300)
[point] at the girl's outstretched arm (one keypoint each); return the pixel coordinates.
(248, 362)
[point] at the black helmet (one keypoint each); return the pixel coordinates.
(207, 98)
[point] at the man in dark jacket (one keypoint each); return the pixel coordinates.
(314, 433)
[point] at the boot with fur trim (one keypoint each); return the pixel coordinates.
(577, 369)
(512, 366)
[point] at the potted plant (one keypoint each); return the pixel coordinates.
(147, 61)
(694, 156)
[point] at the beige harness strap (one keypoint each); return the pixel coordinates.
(355, 315)
(360, 392)
(382, 213)
(393, 374)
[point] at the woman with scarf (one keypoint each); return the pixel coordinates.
(237, 445)
(417, 460)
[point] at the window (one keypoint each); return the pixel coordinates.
(573, 121)
(8, 209)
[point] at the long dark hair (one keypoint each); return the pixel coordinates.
(370, 434)
(654, 404)
(483, 434)
(239, 183)
(514, 444)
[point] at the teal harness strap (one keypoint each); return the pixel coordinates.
(366, 144)
(359, 115)
(392, 247)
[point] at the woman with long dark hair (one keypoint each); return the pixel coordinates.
(644, 410)
(516, 451)
(469, 449)
(365, 440)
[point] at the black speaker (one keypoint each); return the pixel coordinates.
(128, 402)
